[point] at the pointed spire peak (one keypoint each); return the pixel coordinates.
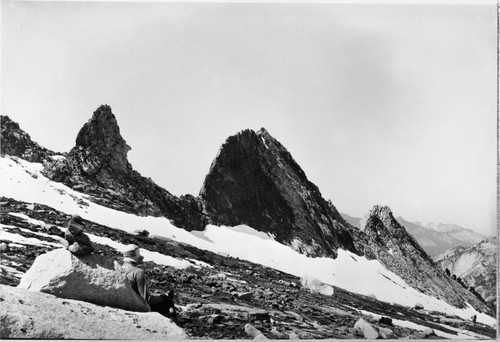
(101, 135)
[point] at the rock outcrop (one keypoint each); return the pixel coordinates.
(91, 278)
(476, 266)
(16, 142)
(34, 315)
(98, 166)
(255, 181)
(381, 237)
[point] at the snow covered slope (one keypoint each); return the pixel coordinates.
(23, 181)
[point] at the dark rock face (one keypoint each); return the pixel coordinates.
(16, 142)
(101, 138)
(382, 237)
(98, 166)
(255, 181)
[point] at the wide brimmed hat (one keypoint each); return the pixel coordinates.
(77, 218)
(131, 253)
(76, 224)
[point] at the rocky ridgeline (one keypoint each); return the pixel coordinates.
(255, 181)
(16, 142)
(98, 166)
(235, 299)
(475, 267)
(383, 238)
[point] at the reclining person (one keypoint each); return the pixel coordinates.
(75, 240)
(162, 303)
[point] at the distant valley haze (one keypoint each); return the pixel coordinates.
(380, 104)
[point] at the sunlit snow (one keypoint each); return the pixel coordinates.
(22, 180)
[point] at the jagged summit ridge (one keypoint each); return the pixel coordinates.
(255, 181)
(16, 142)
(380, 221)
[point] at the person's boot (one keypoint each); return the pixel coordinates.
(169, 306)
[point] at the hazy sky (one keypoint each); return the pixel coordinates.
(379, 104)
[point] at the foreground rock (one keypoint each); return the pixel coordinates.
(371, 332)
(34, 315)
(92, 278)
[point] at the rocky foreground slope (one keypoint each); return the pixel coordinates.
(217, 302)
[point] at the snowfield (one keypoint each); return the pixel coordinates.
(23, 181)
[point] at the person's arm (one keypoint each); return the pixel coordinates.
(142, 286)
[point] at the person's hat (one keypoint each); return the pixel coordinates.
(77, 218)
(131, 253)
(76, 225)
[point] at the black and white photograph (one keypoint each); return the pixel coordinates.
(225, 170)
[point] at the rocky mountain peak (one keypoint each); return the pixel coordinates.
(383, 238)
(255, 181)
(381, 222)
(101, 137)
(16, 142)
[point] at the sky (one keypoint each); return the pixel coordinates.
(24, 182)
(390, 104)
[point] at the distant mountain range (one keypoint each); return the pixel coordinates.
(434, 238)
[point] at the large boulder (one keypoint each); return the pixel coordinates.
(34, 315)
(368, 330)
(91, 278)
